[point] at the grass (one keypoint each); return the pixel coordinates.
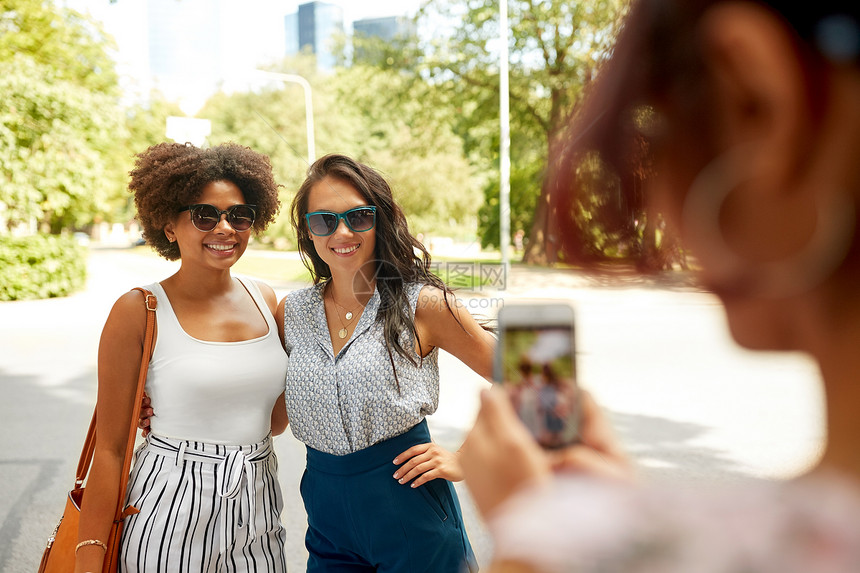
(272, 269)
(456, 272)
(467, 274)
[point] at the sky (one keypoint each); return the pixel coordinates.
(255, 35)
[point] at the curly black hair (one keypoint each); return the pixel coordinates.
(169, 176)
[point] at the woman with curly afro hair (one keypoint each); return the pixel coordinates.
(205, 481)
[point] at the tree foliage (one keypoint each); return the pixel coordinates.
(555, 49)
(423, 111)
(415, 147)
(75, 47)
(60, 119)
(374, 115)
(55, 137)
(40, 266)
(144, 125)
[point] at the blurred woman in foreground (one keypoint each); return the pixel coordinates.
(748, 114)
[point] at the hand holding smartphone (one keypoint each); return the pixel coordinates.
(535, 361)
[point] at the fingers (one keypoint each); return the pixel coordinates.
(411, 452)
(146, 412)
(598, 452)
(604, 452)
(143, 422)
(425, 477)
(420, 461)
(417, 471)
(587, 460)
(595, 429)
(427, 462)
(499, 456)
(499, 423)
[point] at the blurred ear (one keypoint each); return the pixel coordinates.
(760, 91)
(169, 231)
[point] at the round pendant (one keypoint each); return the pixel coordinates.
(349, 315)
(342, 333)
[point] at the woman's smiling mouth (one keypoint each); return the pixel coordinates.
(220, 247)
(345, 250)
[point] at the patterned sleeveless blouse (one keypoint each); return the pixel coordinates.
(345, 403)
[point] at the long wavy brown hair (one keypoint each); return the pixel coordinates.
(396, 256)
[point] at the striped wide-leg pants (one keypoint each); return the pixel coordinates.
(203, 508)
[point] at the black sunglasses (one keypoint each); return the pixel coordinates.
(206, 217)
(324, 223)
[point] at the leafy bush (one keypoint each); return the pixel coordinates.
(40, 266)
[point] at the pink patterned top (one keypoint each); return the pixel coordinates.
(811, 525)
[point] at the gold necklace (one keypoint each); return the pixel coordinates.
(343, 332)
(348, 316)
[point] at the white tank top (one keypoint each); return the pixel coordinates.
(215, 392)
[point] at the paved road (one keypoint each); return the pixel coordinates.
(687, 403)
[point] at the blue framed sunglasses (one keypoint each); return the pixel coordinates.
(324, 223)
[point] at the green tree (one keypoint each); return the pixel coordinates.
(271, 120)
(415, 148)
(373, 115)
(74, 46)
(145, 124)
(555, 49)
(54, 137)
(60, 120)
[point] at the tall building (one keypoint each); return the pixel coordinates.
(189, 49)
(314, 25)
(386, 28)
(389, 28)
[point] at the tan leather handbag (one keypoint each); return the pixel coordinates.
(59, 554)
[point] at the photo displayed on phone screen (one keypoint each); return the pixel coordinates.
(540, 373)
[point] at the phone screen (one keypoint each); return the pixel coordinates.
(539, 370)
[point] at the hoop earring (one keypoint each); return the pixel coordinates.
(796, 274)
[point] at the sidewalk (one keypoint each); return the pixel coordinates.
(686, 402)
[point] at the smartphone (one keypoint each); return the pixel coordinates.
(536, 362)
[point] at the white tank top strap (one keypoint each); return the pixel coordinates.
(253, 288)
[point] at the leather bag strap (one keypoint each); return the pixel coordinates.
(151, 303)
(86, 453)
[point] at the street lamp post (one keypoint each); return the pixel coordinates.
(309, 107)
(505, 142)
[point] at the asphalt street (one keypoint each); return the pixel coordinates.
(688, 404)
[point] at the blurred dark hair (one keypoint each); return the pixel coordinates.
(654, 91)
(170, 176)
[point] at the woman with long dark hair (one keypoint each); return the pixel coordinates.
(363, 375)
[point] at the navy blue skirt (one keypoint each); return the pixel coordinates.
(361, 519)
